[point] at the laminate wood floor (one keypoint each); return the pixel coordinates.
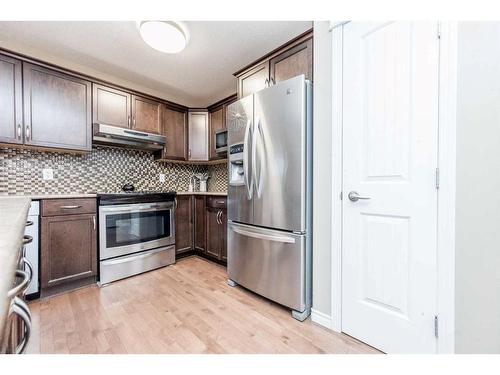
(183, 308)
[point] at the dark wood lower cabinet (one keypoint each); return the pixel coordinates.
(68, 249)
(184, 224)
(216, 222)
(201, 223)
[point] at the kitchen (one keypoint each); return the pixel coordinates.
(122, 183)
(208, 206)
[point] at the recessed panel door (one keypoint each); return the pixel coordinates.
(390, 128)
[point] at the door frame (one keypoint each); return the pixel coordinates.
(447, 32)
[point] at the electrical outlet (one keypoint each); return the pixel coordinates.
(47, 174)
(162, 177)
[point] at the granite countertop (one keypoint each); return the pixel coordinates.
(13, 214)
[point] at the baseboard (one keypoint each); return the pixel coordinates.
(322, 319)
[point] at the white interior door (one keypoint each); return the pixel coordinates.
(390, 129)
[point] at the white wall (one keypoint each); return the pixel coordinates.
(322, 180)
(477, 297)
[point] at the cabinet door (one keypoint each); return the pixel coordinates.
(146, 115)
(254, 80)
(213, 232)
(293, 62)
(199, 223)
(111, 106)
(57, 109)
(175, 129)
(216, 123)
(183, 224)
(223, 236)
(69, 248)
(11, 100)
(198, 136)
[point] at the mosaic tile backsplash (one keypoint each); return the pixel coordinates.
(103, 170)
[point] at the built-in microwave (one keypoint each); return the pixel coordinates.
(220, 141)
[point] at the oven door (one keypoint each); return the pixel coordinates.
(130, 228)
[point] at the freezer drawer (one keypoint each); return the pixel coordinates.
(122, 267)
(271, 263)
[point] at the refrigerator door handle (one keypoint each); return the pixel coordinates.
(257, 135)
(246, 150)
(269, 237)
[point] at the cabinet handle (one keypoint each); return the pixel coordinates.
(18, 131)
(93, 220)
(70, 207)
(128, 120)
(266, 82)
(189, 153)
(28, 132)
(134, 121)
(272, 81)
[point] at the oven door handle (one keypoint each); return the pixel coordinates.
(134, 208)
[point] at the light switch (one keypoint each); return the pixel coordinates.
(162, 177)
(48, 174)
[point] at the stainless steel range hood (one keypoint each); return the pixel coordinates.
(120, 137)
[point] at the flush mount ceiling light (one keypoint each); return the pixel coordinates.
(163, 36)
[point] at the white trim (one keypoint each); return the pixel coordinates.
(446, 194)
(336, 162)
(322, 319)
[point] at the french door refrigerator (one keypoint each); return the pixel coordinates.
(270, 194)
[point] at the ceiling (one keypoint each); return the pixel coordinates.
(198, 76)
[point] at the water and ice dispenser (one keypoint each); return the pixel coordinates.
(236, 171)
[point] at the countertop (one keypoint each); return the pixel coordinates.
(13, 214)
(218, 193)
(93, 195)
(50, 196)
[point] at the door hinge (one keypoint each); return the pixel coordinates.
(341, 196)
(437, 178)
(436, 326)
(439, 30)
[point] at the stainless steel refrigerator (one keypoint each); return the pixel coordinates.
(270, 194)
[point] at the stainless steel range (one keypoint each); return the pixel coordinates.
(136, 233)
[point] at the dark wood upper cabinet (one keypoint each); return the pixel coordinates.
(216, 122)
(288, 61)
(146, 115)
(253, 80)
(111, 106)
(68, 249)
(293, 62)
(57, 109)
(175, 129)
(11, 100)
(183, 224)
(199, 222)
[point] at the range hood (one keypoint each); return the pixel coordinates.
(121, 137)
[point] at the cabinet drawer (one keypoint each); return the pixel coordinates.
(216, 202)
(56, 207)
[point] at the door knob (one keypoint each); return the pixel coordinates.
(354, 196)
